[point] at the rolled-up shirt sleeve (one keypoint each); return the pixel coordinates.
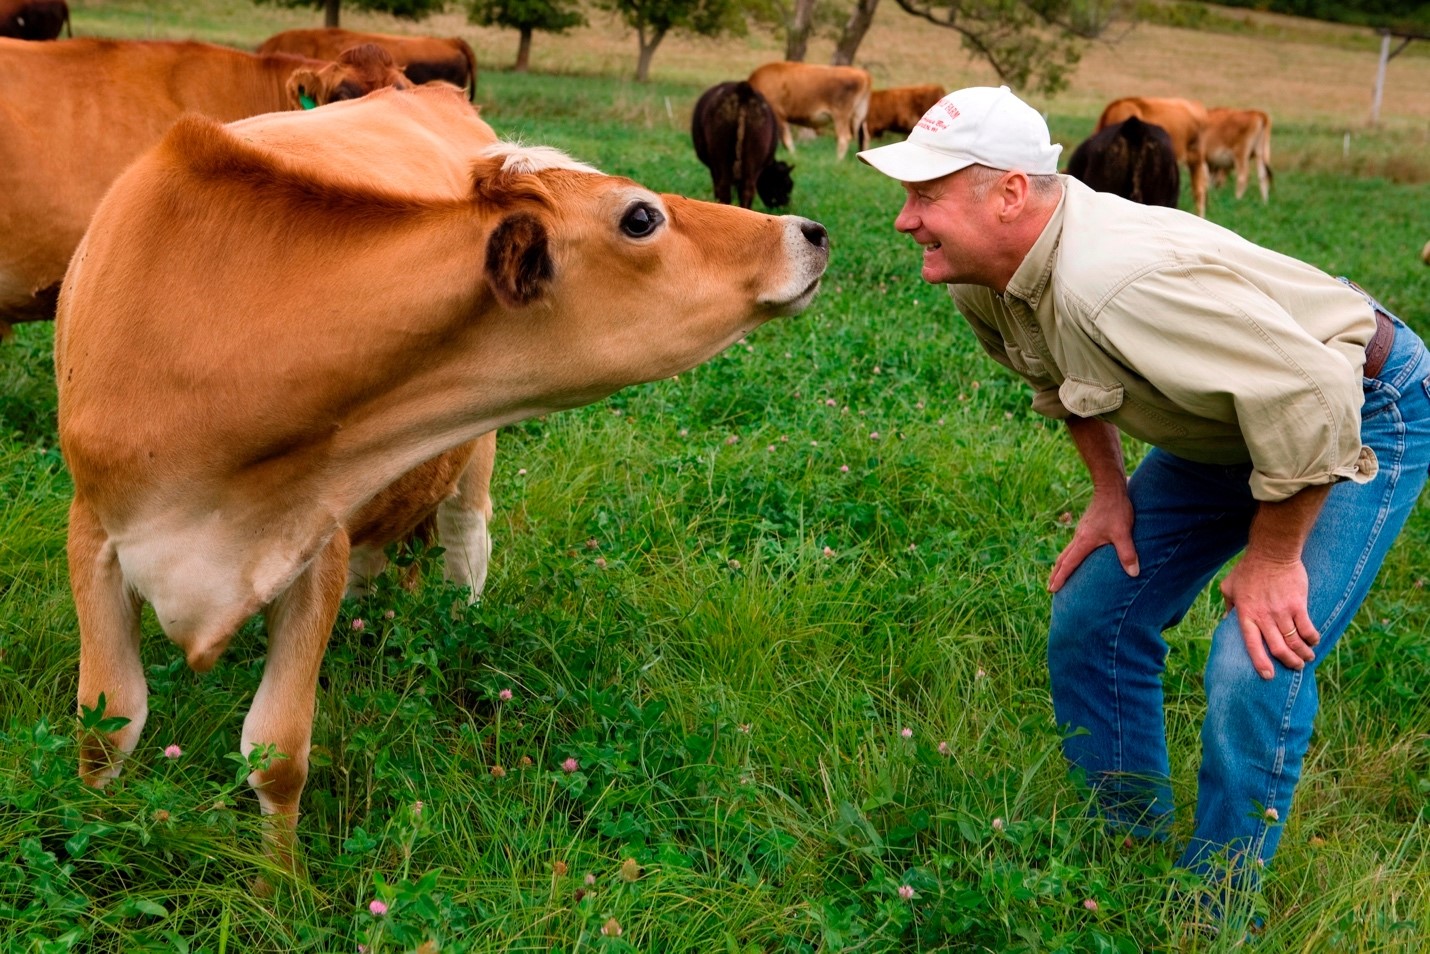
(1215, 345)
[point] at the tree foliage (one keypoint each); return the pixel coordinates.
(1407, 14)
(404, 9)
(1027, 42)
(526, 17)
(654, 19)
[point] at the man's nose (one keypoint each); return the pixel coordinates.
(906, 221)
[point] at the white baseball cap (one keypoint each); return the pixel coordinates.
(985, 125)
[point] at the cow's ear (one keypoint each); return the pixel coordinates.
(519, 267)
(304, 89)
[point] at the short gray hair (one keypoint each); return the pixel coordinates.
(982, 179)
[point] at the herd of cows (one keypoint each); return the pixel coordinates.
(285, 336)
(1135, 151)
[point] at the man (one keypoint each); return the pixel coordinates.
(1243, 368)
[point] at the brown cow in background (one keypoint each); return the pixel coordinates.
(74, 114)
(805, 94)
(1183, 119)
(34, 19)
(1234, 139)
(899, 109)
(422, 58)
(1132, 159)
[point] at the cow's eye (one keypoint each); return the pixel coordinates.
(641, 220)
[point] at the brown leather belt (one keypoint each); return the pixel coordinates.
(1379, 345)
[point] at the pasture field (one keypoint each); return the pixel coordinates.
(786, 612)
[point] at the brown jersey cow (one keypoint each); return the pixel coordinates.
(74, 114)
(269, 323)
(805, 94)
(422, 58)
(1235, 139)
(899, 109)
(1183, 119)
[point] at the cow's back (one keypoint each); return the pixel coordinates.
(1132, 159)
(806, 92)
(1183, 119)
(422, 58)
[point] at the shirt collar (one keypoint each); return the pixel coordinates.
(1031, 279)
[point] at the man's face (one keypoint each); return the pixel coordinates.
(952, 225)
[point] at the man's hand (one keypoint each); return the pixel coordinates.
(1270, 603)
(1268, 588)
(1108, 519)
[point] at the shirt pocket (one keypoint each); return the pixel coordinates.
(1089, 398)
(1026, 363)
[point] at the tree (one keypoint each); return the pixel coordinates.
(1026, 42)
(405, 9)
(526, 16)
(798, 30)
(860, 19)
(654, 19)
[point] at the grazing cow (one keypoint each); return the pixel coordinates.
(422, 58)
(1183, 119)
(1425, 254)
(898, 110)
(1132, 159)
(34, 19)
(74, 114)
(269, 323)
(1235, 138)
(735, 134)
(808, 95)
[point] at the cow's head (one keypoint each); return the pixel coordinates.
(628, 284)
(357, 72)
(775, 184)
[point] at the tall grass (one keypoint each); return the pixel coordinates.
(798, 666)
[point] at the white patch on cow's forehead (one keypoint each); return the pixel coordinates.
(530, 159)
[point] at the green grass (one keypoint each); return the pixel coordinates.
(727, 630)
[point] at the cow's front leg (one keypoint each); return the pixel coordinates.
(280, 721)
(109, 664)
(464, 520)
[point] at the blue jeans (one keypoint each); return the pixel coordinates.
(1106, 652)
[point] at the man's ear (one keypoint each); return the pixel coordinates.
(1014, 191)
(303, 89)
(519, 267)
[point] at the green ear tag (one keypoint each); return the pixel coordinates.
(306, 101)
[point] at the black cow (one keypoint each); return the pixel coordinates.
(1132, 159)
(34, 19)
(735, 134)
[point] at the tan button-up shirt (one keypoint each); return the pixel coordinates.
(1187, 336)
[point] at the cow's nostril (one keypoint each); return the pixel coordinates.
(815, 233)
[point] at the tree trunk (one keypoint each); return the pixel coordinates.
(797, 37)
(523, 51)
(330, 12)
(854, 30)
(647, 52)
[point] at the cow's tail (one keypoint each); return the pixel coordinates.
(861, 115)
(1263, 150)
(68, 31)
(466, 49)
(742, 120)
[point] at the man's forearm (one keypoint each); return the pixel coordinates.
(1279, 530)
(1100, 446)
